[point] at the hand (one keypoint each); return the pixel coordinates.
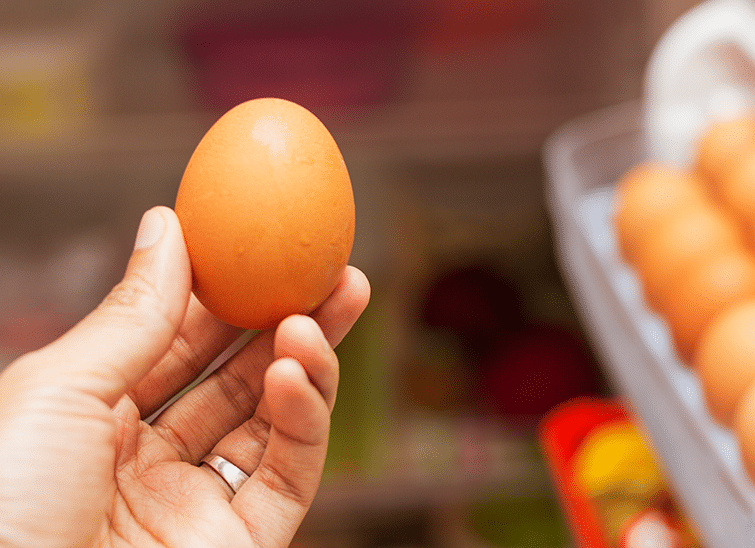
(78, 465)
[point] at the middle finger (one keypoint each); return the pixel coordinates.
(230, 396)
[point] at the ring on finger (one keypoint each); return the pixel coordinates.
(231, 474)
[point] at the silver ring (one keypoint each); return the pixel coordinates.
(231, 474)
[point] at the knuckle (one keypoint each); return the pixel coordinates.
(138, 300)
(286, 485)
(258, 430)
(187, 357)
(174, 435)
(236, 391)
(131, 292)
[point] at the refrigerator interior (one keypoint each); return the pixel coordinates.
(442, 133)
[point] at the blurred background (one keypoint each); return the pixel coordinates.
(441, 109)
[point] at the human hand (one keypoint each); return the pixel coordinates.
(78, 465)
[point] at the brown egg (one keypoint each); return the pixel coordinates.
(737, 187)
(721, 143)
(725, 360)
(709, 287)
(646, 195)
(680, 241)
(267, 210)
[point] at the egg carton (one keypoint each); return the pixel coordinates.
(697, 73)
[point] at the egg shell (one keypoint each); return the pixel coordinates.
(646, 195)
(725, 360)
(683, 239)
(737, 185)
(267, 210)
(707, 289)
(721, 143)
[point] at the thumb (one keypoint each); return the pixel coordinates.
(113, 347)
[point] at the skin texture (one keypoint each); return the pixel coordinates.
(81, 468)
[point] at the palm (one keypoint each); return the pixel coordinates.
(161, 496)
(266, 409)
(160, 500)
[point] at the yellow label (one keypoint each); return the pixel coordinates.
(617, 455)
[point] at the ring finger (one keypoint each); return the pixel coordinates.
(282, 481)
(230, 396)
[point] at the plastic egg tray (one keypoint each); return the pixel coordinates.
(698, 72)
(584, 160)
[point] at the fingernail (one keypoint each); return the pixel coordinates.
(151, 228)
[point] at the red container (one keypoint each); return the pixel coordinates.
(561, 433)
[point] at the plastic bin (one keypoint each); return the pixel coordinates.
(700, 71)
(583, 161)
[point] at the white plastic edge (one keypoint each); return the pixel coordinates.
(702, 69)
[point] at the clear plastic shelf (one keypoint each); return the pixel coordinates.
(584, 160)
